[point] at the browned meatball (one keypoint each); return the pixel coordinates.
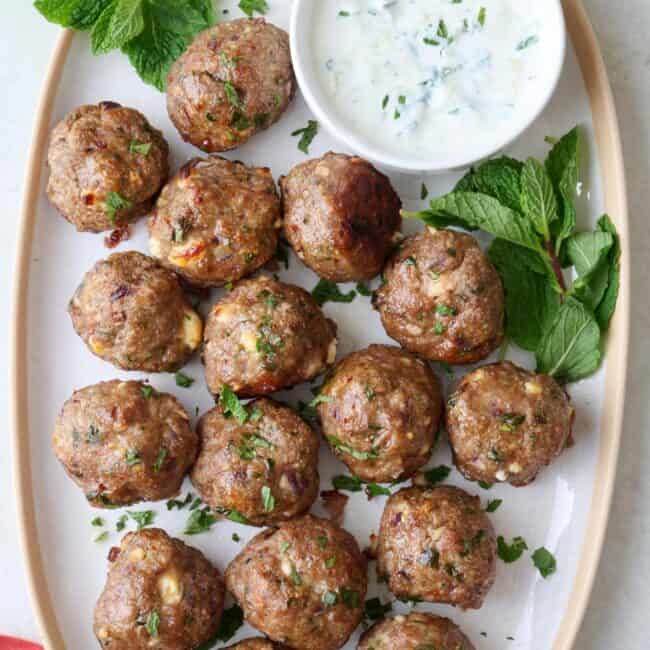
(437, 544)
(107, 164)
(415, 631)
(132, 313)
(256, 644)
(442, 298)
(159, 593)
(266, 468)
(380, 412)
(123, 442)
(302, 584)
(234, 80)
(506, 424)
(216, 221)
(341, 216)
(266, 335)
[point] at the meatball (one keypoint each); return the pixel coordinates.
(302, 584)
(505, 423)
(341, 216)
(442, 298)
(266, 469)
(437, 544)
(159, 592)
(266, 335)
(107, 164)
(234, 80)
(415, 631)
(256, 644)
(380, 409)
(122, 442)
(132, 313)
(216, 221)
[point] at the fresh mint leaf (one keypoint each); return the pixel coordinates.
(199, 521)
(142, 518)
(605, 309)
(251, 6)
(538, 200)
(74, 14)
(499, 178)
(510, 552)
(120, 22)
(231, 405)
(571, 347)
(544, 561)
(328, 291)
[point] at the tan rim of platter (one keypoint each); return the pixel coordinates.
(613, 179)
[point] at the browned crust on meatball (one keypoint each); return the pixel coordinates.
(506, 424)
(122, 442)
(234, 80)
(266, 469)
(341, 216)
(100, 149)
(256, 644)
(132, 313)
(437, 544)
(302, 584)
(216, 221)
(385, 404)
(266, 335)
(415, 631)
(157, 575)
(442, 298)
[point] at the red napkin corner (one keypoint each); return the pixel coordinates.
(9, 643)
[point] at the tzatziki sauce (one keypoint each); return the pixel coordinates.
(427, 79)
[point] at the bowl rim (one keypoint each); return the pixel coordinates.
(347, 136)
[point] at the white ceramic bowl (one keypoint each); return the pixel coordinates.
(302, 53)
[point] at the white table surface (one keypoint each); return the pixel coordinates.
(617, 617)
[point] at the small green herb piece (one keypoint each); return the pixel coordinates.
(401, 100)
(328, 291)
(526, 43)
(442, 29)
(236, 516)
(235, 537)
(396, 115)
(330, 598)
(481, 16)
(97, 521)
(250, 6)
(545, 562)
(148, 391)
(430, 41)
(485, 485)
(183, 380)
(494, 455)
(143, 148)
(322, 541)
(375, 490)
(231, 406)
(153, 620)
(330, 562)
(132, 457)
(320, 399)
(424, 192)
(285, 546)
(363, 289)
(160, 459)
(101, 537)
(439, 328)
(307, 134)
(445, 310)
(437, 474)
(256, 414)
(384, 101)
(295, 576)
(493, 505)
(176, 503)
(375, 610)
(120, 524)
(199, 521)
(346, 449)
(114, 203)
(350, 597)
(344, 13)
(347, 483)
(142, 518)
(410, 261)
(510, 552)
(268, 500)
(511, 421)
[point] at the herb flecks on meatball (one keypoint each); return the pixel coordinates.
(266, 335)
(234, 80)
(122, 442)
(216, 221)
(438, 545)
(342, 216)
(380, 410)
(506, 424)
(302, 584)
(442, 298)
(107, 165)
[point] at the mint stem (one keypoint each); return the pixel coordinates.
(557, 269)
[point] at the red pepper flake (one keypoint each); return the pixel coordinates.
(117, 236)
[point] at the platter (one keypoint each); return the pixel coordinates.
(566, 508)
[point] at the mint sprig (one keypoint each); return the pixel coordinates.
(152, 33)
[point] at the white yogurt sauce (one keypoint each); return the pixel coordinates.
(421, 78)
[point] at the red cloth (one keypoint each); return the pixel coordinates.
(7, 643)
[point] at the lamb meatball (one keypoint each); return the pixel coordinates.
(122, 442)
(107, 165)
(341, 216)
(159, 593)
(266, 468)
(302, 584)
(234, 80)
(256, 644)
(266, 335)
(132, 313)
(437, 544)
(506, 424)
(216, 221)
(442, 298)
(383, 404)
(415, 631)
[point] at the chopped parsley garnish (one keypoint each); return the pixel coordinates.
(236, 516)
(320, 399)
(199, 521)
(330, 562)
(511, 421)
(355, 453)
(445, 310)
(439, 328)
(347, 483)
(493, 505)
(470, 544)
(396, 115)
(510, 552)
(160, 459)
(152, 623)
(102, 537)
(438, 474)
(401, 99)
(114, 203)
(143, 148)
(120, 524)
(97, 521)
(250, 6)
(363, 289)
(307, 135)
(544, 561)
(485, 485)
(295, 576)
(176, 503)
(350, 597)
(148, 391)
(268, 500)
(142, 518)
(256, 414)
(384, 101)
(328, 291)
(375, 490)
(232, 95)
(183, 380)
(231, 406)
(424, 192)
(375, 610)
(132, 457)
